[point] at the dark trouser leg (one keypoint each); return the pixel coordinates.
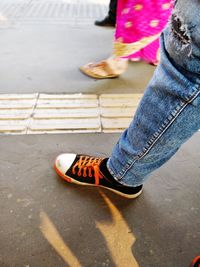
(112, 13)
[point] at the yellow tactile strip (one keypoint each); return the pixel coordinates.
(117, 110)
(66, 113)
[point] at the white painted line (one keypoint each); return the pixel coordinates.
(17, 96)
(64, 124)
(15, 104)
(66, 113)
(120, 96)
(6, 128)
(66, 96)
(74, 103)
(115, 123)
(113, 130)
(14, 117)
(14, 114)
(62, 131)
(120, 100)
(14, 122)
(118, 112)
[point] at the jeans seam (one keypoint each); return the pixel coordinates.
(156, 136)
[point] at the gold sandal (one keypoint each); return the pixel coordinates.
(99, 70)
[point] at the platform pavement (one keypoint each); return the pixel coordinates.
(39, 211)
(45, 222)
(42, 49)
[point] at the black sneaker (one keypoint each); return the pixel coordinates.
(86, 170)
(106, 22)
(195, 262)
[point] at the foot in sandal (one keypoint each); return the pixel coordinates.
(105, 69)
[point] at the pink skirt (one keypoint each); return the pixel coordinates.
(138, 28)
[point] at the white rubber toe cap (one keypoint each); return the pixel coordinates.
(64, 161)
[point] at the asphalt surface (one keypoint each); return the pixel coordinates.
(160, 228)
(46, 222)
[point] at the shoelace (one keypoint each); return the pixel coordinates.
(85, 167)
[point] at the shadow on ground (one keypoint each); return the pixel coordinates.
(47, 222)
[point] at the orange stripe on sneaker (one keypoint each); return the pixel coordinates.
(195, 261)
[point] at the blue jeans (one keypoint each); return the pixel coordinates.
(169, 112)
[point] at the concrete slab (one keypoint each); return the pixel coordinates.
(46, 222)
(43, 44)
(47, 59)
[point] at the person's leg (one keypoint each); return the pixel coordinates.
(110, 19)
(108, 68)
(151, 53)
(112, 13)
(167, 116)
(169, 111)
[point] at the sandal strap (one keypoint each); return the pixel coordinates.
(99, 70)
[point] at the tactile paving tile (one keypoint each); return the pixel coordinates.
(65, 125)
(60, 113)
(117, 110)
(51, 12)
(15, 112)
(66, 113)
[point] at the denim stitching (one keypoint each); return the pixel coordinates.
(167, 123)
(118, 179)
